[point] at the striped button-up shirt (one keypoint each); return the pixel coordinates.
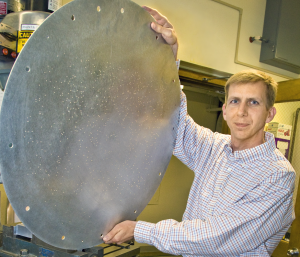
(240, 203)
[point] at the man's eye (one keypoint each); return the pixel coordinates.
(233, 101)
(253, 102)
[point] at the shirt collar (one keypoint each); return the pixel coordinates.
(254, 153)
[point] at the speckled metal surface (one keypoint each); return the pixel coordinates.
(88, 121)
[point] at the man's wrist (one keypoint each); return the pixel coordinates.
(143, 232)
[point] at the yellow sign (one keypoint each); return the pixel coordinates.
(23, 36)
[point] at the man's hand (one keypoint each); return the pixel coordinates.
(165, 28)
(121, 233)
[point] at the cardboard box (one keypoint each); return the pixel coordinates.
(280, 130)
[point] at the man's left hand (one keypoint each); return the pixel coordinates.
(121, 233)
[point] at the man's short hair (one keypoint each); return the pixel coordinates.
(252, 76)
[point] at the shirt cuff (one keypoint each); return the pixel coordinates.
(142, 232)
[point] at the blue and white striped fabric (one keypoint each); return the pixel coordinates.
(240, 203)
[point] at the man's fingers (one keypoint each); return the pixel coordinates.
(165, 28)
(153, 12)
(167, 33)
(122, 232)
(109, 236)
(157, 28)
(115, 238)
(160, 19)
(109, 239)
(148, 9)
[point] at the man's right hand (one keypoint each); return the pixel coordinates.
(165, 28)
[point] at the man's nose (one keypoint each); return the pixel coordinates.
(243, 109)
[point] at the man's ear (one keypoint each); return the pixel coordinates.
(224, 111)
(271, 114)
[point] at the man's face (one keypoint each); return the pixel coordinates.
(246, 114)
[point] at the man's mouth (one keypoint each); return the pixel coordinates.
(241, 125)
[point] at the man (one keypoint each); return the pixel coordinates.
(240, 203)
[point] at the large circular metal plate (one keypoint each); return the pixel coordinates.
(88, 121)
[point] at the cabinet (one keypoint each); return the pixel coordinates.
(281, 34)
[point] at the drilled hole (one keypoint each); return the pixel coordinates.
(156, 37)
(73, 18)
(159, 174)
(98, 8)
(28, 69)
(63, 238)
(27, 208)
(122, 10)
(135, 211)
(10, 145)
(101, 235)
(173, 80)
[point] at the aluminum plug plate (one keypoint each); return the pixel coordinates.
(88, 121)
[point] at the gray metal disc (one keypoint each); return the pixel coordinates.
(88, 121)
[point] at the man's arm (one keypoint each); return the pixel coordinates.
(195, 143)
(264, 212)
(243, 227)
